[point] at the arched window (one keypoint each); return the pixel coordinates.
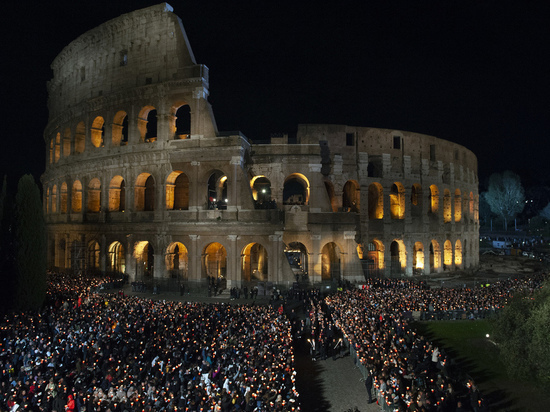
(183, 122)
(63, 203)
(120, 129)
(398, 257)
(147, 124)
(296, 190)
(54, 199)
(458, 205)
(217, 191)
(177, 260)
(397, 201)
(435, 256)
(458, 254)
(93, 255)
(145, 259)
(76, 197)
(330, 262)
(447, 255)
(117, 257)
(434, 200)
(416, 200)
(98, 131)
(117, 194)
(214, 262)
(261, 192)
(376, 201)
(254, 263)
(57, 154)
(94, 196)
(298, 259)
(418, 258)
(177, 191)
(66, 142)
(351, 196)
(144, 193)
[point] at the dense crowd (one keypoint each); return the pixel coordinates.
(97, 352)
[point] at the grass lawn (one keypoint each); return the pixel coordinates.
(466, 342)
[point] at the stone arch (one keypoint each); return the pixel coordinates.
(351, 199)
(52, 145)
(476, 209)
(332, 197)
(458, 205)
(76, 197)
(458, 254)
(144, 193)
(54, 199)
(57, 150)
(254, 263)
(120, 129)
(416, 200)
(434, 200)
(117, 257)
(80, 138)
(471, 206)
(144, 253)
(330, 262)
(181, 128)
(93, 256)
(117, 194)
(447, 255)
(94, 195)
(63, 198)
(67, 142)
(147, 124)
(296, 190)
(261, 192)
(376, 201)
(214, 261)
(398, 255)
(177, 261)
(298, 259)
(217, 190)
(418, 258)
(375, 259)
(98, 131)
(435, 256)
(397, 201)
(177, 191)
(447, 209)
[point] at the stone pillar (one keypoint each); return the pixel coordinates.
(134, 136)
(315, 259)
(274, 270)
(195, 203)
(233, 200)
(194, 260)
(131, 268)
(233, 259)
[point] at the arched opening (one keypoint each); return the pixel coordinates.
(98, 131)
(147, 124)
(117, 194)
(63, 203)
(435, 256)
(144, 254)
(447, 215)
(447, 255)
(93, 256)
(254, 263)
(434, 200)
(80, 138)
(117, 258)
(375, 259)
(78, 257)
(94, 196)
(144, 193)
(465, 254)
(330, 262)
(351, 198)
(214, 263)
(217, 191)
(177, 191)
(332, 197)
(376, 201)
(52, 144)
(54, 199)
(57, 154)
(76, 197)
(471, 206)
(177, 261)
(458, 206)
(476, 209)
(261, 192)
(398, 258)
(296, 190)
(416, 200)
(120, 129)
(298, 259)
(66, 142)
(183, 122)
(418, 258)
(48, 204)
(458, 254)
(397, 201)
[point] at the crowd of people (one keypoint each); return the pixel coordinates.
(110, 352)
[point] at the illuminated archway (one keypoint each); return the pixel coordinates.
(144, 254)
(66, 142)
(76, 197)
(376, 201)
(93, 255)
(435, 256)
(177, 260)
(416, 200)
(397, 201)
(54, 199)
(48, 205)
(254, 263)
(177, 191)
(447, 255)
(398, 257)
(98, 131)
(261, 192)
(330, 262)
(94, 195)
(63, 203)
(57, 153)
(80, 138)
(434, 200)
(298, 259)
(182, 122)
(471, 206)
(296, 190)
(418, 257)
(375, 259)
(351, 199)
(458, 254)
(120, 129)
(458, 206)
(144, 193)
(117, 194)
(147, 124)
(117, 257)
(217, 190)
(447, 215)
(214, 261)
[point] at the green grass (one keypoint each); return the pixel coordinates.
(467, 344)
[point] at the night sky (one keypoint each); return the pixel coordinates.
(471, 71)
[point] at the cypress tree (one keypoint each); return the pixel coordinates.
(30, 235)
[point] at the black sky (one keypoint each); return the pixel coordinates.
(472, 71)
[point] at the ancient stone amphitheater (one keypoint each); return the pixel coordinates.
(139, 180)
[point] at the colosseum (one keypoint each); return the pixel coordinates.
(140, 181)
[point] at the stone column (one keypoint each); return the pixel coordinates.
(195, 202)
(275, 271)
(233, 258)
(233, 201)
(131, 267)
(194, 260)
(315, 259)
(134, 135)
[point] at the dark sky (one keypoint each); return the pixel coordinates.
(472, 71)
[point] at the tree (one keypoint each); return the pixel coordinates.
(30, 237)
(505, 195)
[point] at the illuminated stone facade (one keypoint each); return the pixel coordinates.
(139, 180)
